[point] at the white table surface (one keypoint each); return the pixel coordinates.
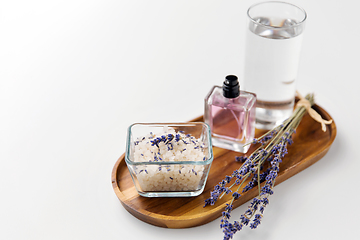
(75, 74)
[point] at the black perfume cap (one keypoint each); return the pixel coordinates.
(231, 87)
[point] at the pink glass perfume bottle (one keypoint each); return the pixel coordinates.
(230, 113)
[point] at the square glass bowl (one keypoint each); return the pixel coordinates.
(169, 159)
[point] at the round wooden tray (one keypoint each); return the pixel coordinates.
(310, 145)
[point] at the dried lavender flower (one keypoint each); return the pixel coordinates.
(273, 148)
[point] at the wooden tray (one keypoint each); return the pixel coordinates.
(310, 145)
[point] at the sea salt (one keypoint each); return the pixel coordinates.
(169, 146)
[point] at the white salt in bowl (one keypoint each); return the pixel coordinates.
(169, 159)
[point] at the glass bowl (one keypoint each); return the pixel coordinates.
(169, 159)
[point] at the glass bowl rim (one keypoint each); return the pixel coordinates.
(208, 132)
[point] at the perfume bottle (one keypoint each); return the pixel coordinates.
(230, 113)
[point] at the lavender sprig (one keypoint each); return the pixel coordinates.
(273, 148)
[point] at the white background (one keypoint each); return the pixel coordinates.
(75, 74)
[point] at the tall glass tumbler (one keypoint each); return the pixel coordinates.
(273, 45)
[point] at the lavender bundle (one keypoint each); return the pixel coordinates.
(273, 149)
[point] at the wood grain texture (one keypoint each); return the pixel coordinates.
(310, 145)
